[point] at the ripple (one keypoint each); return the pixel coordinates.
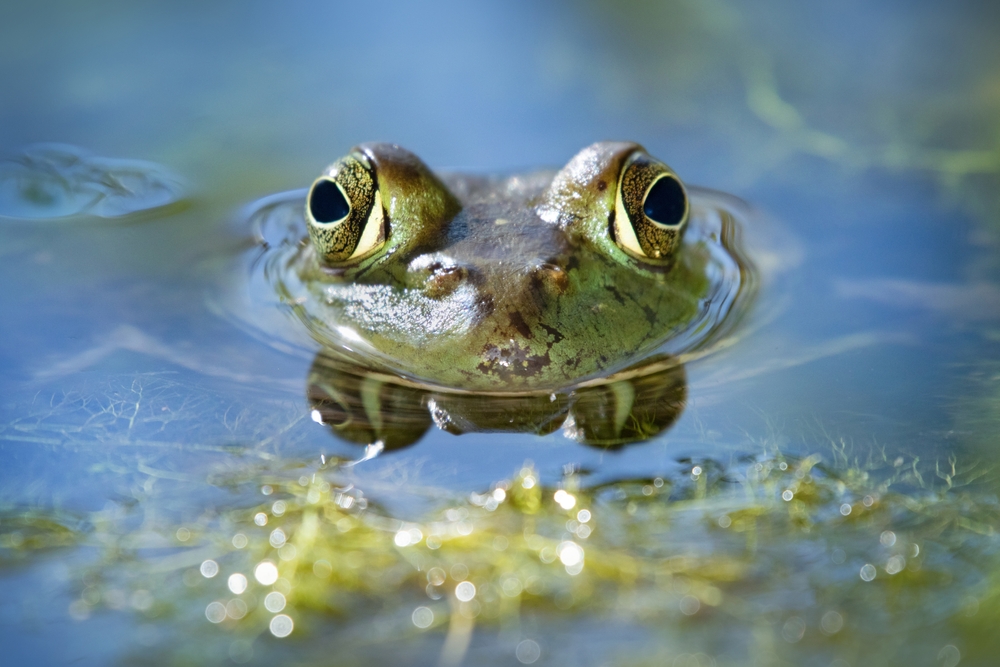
(48, 181)
(282, 280)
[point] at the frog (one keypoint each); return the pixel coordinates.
(532, 282)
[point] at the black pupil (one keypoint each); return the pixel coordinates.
(328, 203)
(665, 202)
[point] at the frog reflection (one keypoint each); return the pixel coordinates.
(363, 407)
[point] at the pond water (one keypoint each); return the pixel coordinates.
(819, 488)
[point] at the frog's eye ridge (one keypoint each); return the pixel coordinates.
(651, 209)
(344, 212)
(328, 203)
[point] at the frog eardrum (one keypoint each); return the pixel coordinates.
(344, 211)
(651, 209)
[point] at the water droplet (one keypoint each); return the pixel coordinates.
(266, 573)
(237, 583)
(831, 623)
(274, 602)
(895, 564)
(570, 553)
(422, 617)
(436, 576)
(281, 625)
(236, 609)
(215, 612)
(528, 652)
(465, 591)
(277, 538)
(689, 605)
(949, 656)
(793, 630)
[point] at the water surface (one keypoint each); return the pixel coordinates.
(824, 495)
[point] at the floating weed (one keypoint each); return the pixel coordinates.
(783, 551)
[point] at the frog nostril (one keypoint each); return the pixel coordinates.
(551, 277)
(443, 280)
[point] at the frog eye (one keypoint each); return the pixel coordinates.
(344, 211)
(651, 209)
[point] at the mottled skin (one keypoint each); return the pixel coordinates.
(503, 284)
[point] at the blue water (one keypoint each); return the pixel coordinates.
(878, 323)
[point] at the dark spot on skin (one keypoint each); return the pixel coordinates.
(485, 306)
(552, 331)
(616, 294)
(517, 321)
(602, 186)
(513, 362)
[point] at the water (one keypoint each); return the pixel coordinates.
(151, 408)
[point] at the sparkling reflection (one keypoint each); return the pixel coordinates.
(281, 625)
(274, 602)
(465, 591)
(215, 612)
(422, 617)
(209, 569)
(237, 583)
(266, 573)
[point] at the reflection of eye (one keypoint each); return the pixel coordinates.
(651, 209)
(344, 212)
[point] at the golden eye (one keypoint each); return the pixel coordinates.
(651, 209)
(344, 211)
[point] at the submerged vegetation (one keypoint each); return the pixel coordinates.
(765, 558)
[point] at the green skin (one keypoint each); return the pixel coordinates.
(507, 284)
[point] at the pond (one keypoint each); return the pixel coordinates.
(188, 477)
